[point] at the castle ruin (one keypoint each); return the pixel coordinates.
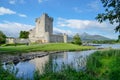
(43, 32)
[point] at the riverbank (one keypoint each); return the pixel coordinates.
(43, 47)
(102, 65)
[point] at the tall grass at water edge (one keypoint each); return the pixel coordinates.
(102, 65)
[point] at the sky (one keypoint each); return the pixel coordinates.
(70, 16)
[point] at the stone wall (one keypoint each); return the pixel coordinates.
(17, 40)
(9, 40)
(37, 40)
(56, 38)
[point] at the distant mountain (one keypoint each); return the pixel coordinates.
(88, 37)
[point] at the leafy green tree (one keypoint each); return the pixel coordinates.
(76, 39)
(2, 37)
(119, 38)
(24, 34)
(112, 13)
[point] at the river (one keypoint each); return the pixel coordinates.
(77, 59)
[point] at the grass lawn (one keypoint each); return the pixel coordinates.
(44, 47)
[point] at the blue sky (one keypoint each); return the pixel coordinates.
(70, 16)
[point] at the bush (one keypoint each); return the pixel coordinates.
(76, 39)
(24, 34)
(2, 37)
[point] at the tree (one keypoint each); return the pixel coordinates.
(76, 39)
(119, 38)
(2, 37)
(112, 13)
(24, 34)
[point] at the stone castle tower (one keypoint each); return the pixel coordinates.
(43, 32)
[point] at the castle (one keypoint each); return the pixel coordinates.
(43, 32)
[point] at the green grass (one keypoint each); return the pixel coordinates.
(105, 65)
(67, 74)
(3, 45)
(44, 47)
(6, 74)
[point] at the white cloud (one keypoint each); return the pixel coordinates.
(58, 30)
(16, 1)
(76, 9)
(79, 24)
(12, 1)
(94, 5)
(89, 26)
(40, 1)
(12, 29)
(22, 15)
(4, 11)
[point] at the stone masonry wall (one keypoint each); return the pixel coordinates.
(16, 40)
(56, 38)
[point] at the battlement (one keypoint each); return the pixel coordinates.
(44, 15)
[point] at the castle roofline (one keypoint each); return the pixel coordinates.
(44, 14)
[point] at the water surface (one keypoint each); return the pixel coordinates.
(76, 59)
